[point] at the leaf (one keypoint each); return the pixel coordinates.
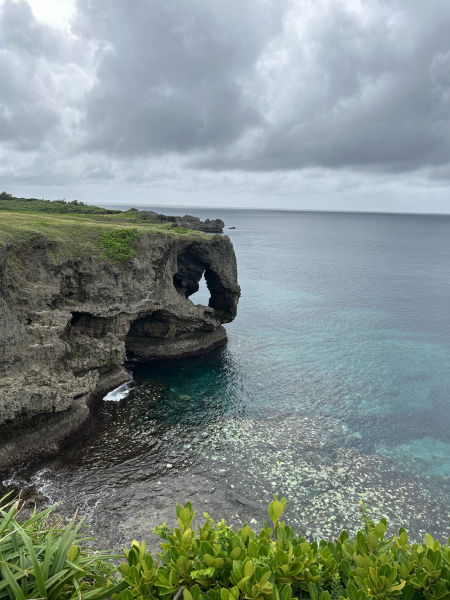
(352, 591)
(429, 540)
(399, 586)
(286, 593)
(277, 509)
(248, 568)
(126, 595)
(313, 592)
(238, 571)
(440, 589)
(35, 562)
(104, 593)
(253, 549)
(14, 586)
(235, 593)
(361, 541)
(209, 560)
(371, 541)
(73, 553)
(408, 592)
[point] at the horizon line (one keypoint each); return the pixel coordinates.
(319, 210)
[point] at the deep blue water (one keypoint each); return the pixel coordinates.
(338, 364)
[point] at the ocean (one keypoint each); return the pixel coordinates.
(334, 388)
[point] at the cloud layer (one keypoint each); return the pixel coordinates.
(253, 89)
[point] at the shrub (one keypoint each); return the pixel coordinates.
(37, 561)
(11, 203)
(219, 563)
(117, 244)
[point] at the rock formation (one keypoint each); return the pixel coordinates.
(188, 221)
(67, 326)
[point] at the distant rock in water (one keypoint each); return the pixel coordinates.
(232, 227)
(188, 221)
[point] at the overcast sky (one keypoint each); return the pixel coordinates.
(303, 104)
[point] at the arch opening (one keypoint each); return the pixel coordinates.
(192, 266)
(202, 295)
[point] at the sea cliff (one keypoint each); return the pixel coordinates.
(70, 315)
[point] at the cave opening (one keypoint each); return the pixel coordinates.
(87, 324)
(202, 295)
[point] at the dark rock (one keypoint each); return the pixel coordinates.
(188, 221)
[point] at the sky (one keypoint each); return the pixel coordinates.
(285, 104)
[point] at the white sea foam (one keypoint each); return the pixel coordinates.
(119, 393)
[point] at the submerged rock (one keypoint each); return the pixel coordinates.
(67, 324)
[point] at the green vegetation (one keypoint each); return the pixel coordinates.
(104, 236)
(181, 229)
(38, 560)
(75, 230)
(219, 563)
(117, 244)
(11, 203)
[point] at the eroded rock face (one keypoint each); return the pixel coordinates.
(66, 327)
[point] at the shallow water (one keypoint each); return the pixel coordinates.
(334, 387)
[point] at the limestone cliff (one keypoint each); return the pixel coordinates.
(67, 325)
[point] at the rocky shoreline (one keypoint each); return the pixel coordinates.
(27, 441)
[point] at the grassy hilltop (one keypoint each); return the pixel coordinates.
(79, 229)
(11, 203)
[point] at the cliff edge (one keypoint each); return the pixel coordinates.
(70, 315)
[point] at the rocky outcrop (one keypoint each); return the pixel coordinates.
(67, 326)
(188, 221)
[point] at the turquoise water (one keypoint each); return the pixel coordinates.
(334, 386)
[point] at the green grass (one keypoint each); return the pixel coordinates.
(117, 244)
(80, 235)
(11, 203)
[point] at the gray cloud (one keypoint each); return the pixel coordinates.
(26, 114)
(262, 86)
(174, 77)
(250, 89)
(42, 74)
(365, 89)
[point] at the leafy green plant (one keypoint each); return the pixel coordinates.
(163, 531)
(47, 563)
(117, 243)
(217, 562)
(220, 563)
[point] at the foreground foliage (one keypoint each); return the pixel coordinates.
(222, 564)
(45, 562)
(219, 563)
